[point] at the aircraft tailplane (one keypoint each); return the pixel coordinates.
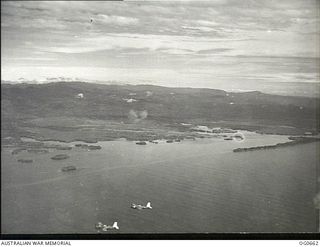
(115, 225)
(149, 205)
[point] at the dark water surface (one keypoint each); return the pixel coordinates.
(194, 186)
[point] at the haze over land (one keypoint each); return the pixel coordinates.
(223, 44)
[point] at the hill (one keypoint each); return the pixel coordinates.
(62, 105)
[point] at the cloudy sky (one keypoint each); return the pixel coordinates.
(271, 46)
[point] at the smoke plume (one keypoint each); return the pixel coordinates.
(137, 116)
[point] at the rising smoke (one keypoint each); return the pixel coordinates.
(137, 116)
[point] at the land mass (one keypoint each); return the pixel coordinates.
(293, 141)
(79, 111)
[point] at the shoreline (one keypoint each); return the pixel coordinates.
(293, 141)
(192, 135)
(169, 134)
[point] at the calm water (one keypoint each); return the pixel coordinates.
(194, 186)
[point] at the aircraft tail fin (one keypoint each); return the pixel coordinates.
(149, 205)
(115, 225)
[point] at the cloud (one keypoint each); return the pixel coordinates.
(33, 58)
(116, 20)
(207, 23)
(175, 51)
(171, 43)
(214, 51)
(199, 28)
(188, 43)
(259, 43)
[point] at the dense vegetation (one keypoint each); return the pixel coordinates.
(131, 104)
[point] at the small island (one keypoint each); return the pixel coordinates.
(63, 148)
(88, 147)
(68, 168)
(18, 150)
(25, 160)
(60, 157)
(93, 147)
(228, 139)
(38, 151)
(81, 145)
(141, 143)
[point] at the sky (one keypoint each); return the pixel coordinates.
(270, 46)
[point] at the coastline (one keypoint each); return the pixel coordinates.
(293, 141)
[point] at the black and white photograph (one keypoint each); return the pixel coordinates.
(160, 117)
